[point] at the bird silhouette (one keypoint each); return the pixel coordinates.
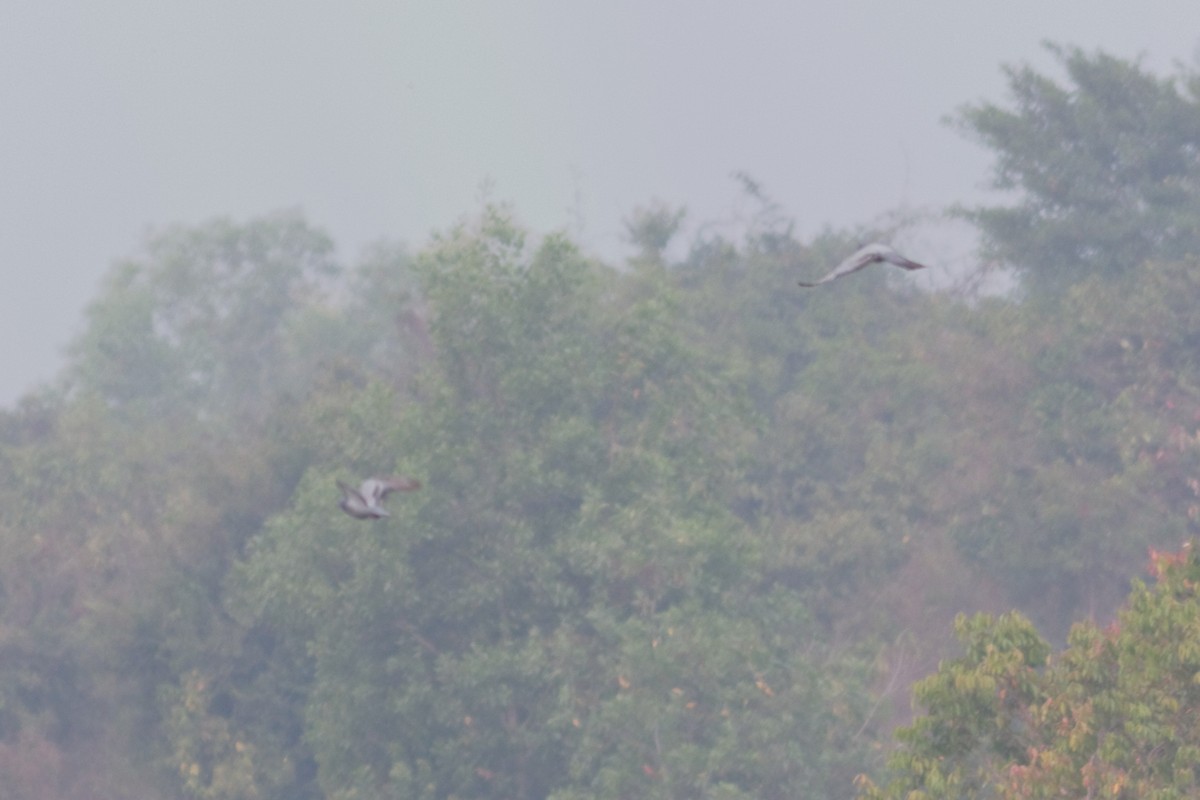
(865, 257)
(366, 502)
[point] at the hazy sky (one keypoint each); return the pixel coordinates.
(384, 120)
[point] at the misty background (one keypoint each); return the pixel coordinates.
(685, 529)
(392, 120)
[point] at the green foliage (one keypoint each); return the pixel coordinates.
(681, 525)
(1111, 716)
(200, 323)
(714, 703)
(977, 712)
(573, 542)
(652, 229)
(1106, 167)
(1100, 460)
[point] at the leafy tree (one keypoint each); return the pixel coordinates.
(1111, 716)
(671, 513)
(82, 507)
(570, 573)
(977, 712)
(1096, 460)
(1106, 168)
(200, 325)
(128, 494)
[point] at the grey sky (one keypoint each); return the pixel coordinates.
(383, 120)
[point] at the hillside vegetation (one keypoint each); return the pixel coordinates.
(687, 530)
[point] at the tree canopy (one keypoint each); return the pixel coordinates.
(1105, 167)
(1110, 716)
(685, 530)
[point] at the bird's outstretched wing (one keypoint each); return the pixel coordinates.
(864, 257)
(355, 505)
(350, 493)
(375, 489)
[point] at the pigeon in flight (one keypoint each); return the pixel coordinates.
(865, 257)
(367, 501)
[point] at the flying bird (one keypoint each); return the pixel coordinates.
(865, 257)
(367, 501)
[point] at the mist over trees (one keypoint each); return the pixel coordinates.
(1106, 168)
(687, 530)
